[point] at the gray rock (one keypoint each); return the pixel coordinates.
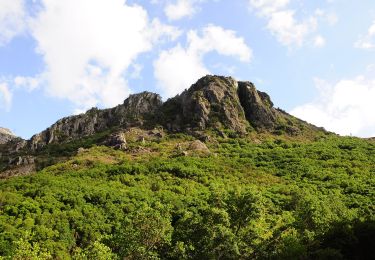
(198, 146)
(134, 111)
(257, 105)
(117, 141)
(22, 160)
(211, 102)
(6, 135)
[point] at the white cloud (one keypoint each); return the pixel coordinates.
(12, 19)
(178, 68)
(89, 45)
(346, 107)
(28, 83)
(162, 32)
(368, 41)
(287, 30)
(319, 41)
(330, 17)
(268, 7)
(5, 96)
(180, 9)
(283, 24)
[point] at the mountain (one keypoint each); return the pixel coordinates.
(214, 103)
(216, 172)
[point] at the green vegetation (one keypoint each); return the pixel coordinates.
(272, 198)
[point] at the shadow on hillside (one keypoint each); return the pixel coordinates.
(347, 241)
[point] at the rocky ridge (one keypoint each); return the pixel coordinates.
(135, 110)
(6, 135)
(213, 102)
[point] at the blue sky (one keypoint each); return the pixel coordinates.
(315, 58)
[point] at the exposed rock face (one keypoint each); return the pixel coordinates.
(134, 111)
(258, 106)
(22, 160)
(211, 102)
(117, 141)
(6, 135)
(216, 102)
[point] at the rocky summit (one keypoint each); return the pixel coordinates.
(135, 111)
(213, 103)
(6, 135)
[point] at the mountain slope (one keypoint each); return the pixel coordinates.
(214, 104)
(174, 197)
(214, 173)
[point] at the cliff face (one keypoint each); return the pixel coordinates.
(224, 103)
(213, 102)
(135, 110)
(6, 135)
(258, 107)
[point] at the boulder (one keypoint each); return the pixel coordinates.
(198, 146)
(117, 141)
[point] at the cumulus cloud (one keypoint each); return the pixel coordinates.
(179, 67)
(5, 96)
(88, 46)
(319, 41)
(283, 24)
(12, 19)
(345, 107)
(367, 41)
(28, 83)
(268, 7)
(180, 9)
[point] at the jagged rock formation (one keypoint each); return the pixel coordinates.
(223, 103)
(213, 102)
(258, 107)
(135, 110)
(6, 135)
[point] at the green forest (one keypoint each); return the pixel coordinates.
(269, 197)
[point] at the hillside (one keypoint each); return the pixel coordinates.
(214, 173)
(215, 104)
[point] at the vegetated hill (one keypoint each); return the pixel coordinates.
(215, 104)
(214, 173)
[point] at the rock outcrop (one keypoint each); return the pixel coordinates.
(223, 103)
(258, 107)
(136, 110)
(6, 135)
(117, 141)
(211, 102)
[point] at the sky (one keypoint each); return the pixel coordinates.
(316, 59)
